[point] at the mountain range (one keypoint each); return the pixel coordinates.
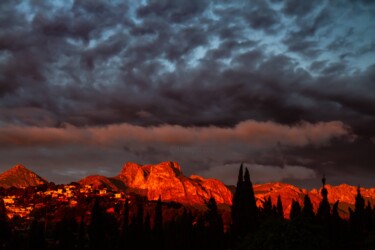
(167, 180)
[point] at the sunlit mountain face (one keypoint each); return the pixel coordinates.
(20, 177)
(286, 87)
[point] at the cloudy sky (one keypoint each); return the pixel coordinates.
(287, 87)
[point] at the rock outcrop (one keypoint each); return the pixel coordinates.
(165, 179)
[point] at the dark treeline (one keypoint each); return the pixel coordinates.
(140, 224)
(266, 227)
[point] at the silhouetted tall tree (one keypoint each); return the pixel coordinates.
(244, 209)
(307, 210)
(359, 202)
(250, 209)
(267, 208)
(237, 205)
(324, 210)
(279, 208)
(295, 211)
(357, 217)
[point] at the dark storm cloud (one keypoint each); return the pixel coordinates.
(190, 63)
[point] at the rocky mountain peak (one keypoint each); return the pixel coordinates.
(18, 167)
(167, 180)
(20, 176)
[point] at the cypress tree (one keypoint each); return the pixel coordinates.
(357, 217)
(267, 207)
(244, 209)
(295, 211)
(324, 210)
(359, 202)
(237, 205)
(307, 211)
(279, 208)
(250, 210)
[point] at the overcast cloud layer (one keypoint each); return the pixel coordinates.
(287, 87)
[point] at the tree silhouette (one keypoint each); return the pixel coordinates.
(250, 208)
(357, 217)
(295, 211)
(237, 206)
(244, 210)
(279, 208)
(324, 210)
(307, 211)
(359, 202)
(267, 210)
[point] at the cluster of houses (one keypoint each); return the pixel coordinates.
(66, 194)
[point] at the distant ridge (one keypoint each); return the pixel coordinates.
(343, 193)
(20, 177)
